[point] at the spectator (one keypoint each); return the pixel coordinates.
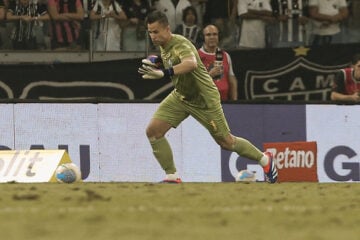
(254, 15)
(353, 22)
(3, 7)
(2, 10)
(106, 17)
(346, 86)
(2, 23)
(218, 63)
(173, 9)
(28, 17)
(189, 28)
(66, 16)
(199, 5)
(86, 29)
(223, 15)
(134, 33)
(327, 16)
(291, 28)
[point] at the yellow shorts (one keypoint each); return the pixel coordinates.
(174, 110)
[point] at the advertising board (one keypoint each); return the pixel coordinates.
(109, 143)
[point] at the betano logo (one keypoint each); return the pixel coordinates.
(293, 158)
(296, 161)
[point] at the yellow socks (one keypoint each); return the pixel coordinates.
(163, 154)
(245, 149)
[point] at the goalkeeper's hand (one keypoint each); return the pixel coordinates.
(154, 61)
(150, 72)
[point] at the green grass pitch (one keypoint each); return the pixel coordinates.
(188, 211)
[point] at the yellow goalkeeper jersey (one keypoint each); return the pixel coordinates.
(196, 87)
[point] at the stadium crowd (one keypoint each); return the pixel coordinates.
(118, 25)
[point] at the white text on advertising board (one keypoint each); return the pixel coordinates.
(293, 158)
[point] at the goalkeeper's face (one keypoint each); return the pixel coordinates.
(159, 33)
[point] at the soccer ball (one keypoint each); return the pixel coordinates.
(245, 176)
(67, 173)
(154, 60)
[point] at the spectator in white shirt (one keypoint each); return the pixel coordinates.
(327, 16)
(173, 10)
(254, 14)
(189, 28)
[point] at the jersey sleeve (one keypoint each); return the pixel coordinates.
(342, 4)
(242, 7)
(184, 51)
(231, 71)
(267, 6)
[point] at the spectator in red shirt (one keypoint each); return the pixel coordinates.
(346, 86)
(218, 63)
(66, 16)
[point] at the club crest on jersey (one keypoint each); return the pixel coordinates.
(167, 58)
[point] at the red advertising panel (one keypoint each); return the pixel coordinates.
(296, 161)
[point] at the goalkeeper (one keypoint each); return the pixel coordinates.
(195, 94)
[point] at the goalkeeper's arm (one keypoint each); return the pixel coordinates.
(187, 65)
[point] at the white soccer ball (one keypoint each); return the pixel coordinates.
(245, 176)
(67, 173)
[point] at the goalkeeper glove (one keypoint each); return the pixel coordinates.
(150, 72)
(154, 61)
